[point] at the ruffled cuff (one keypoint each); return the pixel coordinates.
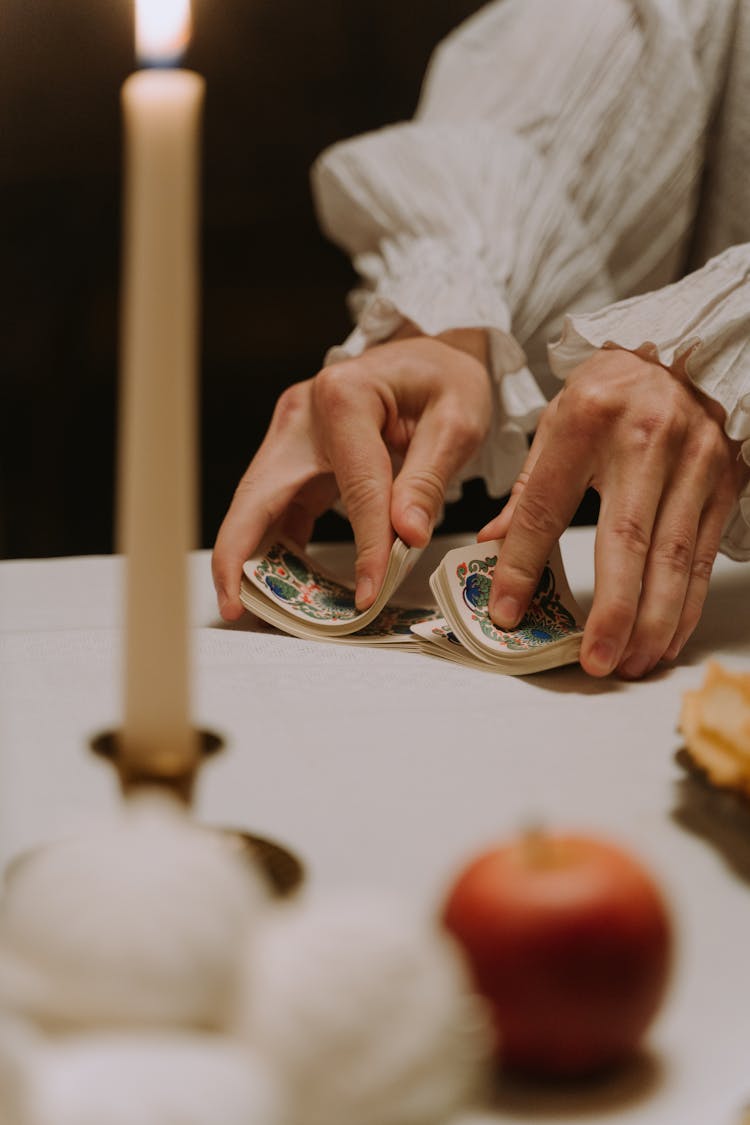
(424, 282)
(702, 323)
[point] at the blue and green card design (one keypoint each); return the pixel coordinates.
(288, 589)
(549, 634)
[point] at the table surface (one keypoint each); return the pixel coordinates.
(391, 769)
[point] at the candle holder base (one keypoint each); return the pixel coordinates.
(283, 869)
(179, 783)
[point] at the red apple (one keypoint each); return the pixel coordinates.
(569, 938)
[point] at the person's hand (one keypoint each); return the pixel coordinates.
(426, 400)
(654, 449)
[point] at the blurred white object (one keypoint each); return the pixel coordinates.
(368, 1013)
(17, 1051)
(138, 923)
(149, 1079)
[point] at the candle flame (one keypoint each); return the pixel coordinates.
(162, 29)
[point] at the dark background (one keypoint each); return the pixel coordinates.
(285, 78)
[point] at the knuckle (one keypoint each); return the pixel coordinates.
(518, 577)
(466, 431)
(534, 517)
(629, 533)
(703, 564)
(656, 428)
(653, 632)
(334, 386)
(676, 551)
(426, 483)
(290, 405)
(616, 615)
(592, 403)
(455, 428)
(361, 493)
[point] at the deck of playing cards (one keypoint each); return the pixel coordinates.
(289, 590)
(549, 634)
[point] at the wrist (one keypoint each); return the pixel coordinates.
(471, 341)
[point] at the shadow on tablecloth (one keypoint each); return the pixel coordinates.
(719, 817)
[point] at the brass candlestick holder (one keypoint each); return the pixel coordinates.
(283, 869)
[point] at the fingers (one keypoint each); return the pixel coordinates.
(665, 471)
(258, 503)
(666, 617)
(678, 569)
(446, 413)
(730, 477)
(313, 499)
(498, 527)
(351, 413)
(655, 548)
(286, 460)
(411, 396)
(623, 541)
(540, 511)
(704, 556)
(442, 442)
(425, 398)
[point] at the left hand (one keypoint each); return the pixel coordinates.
(655, 450)
(428, 400)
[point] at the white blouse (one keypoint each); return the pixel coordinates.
(568, 168)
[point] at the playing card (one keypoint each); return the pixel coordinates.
(549, 634)
(436, 632)
(435, 638)
(283, 586)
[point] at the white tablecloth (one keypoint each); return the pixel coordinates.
(391, 770)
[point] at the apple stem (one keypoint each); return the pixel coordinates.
(535, 846)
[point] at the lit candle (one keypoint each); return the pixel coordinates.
(158, 449)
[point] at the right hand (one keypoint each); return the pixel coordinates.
(425, 399)
(655, 449)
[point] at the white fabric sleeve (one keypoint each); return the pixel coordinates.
(434, 272)
(552, 166)
(704, 319)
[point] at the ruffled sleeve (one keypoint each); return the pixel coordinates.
(526, 186)
(701, 322)
(425, 258)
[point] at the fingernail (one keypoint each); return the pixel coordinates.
(363, 595)
(506, 612)
(602, 657)
(635, 666)
(420, 521)
(674, 649)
